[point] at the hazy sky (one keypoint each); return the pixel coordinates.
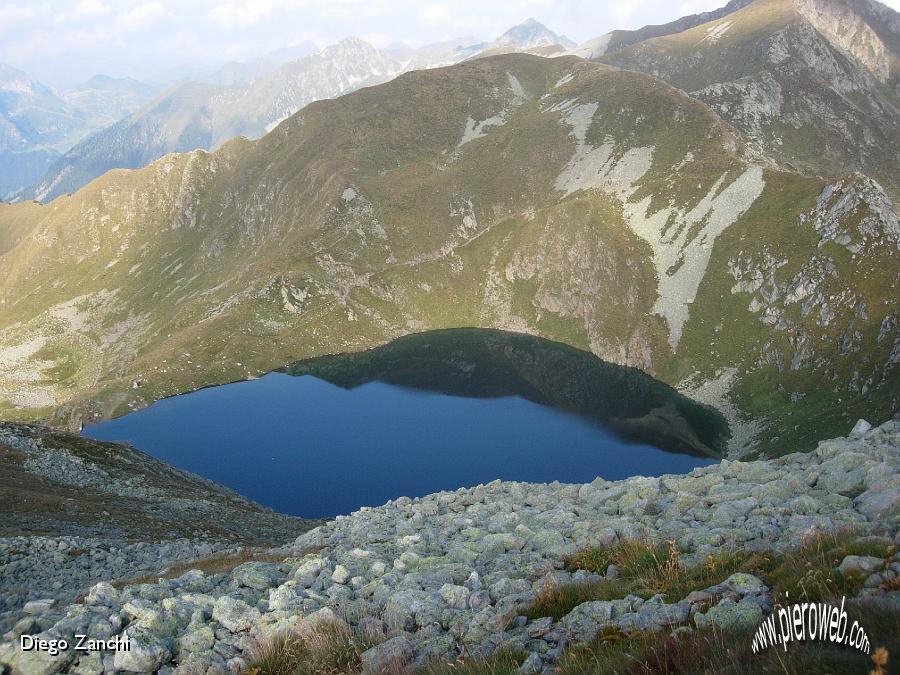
(62, 42)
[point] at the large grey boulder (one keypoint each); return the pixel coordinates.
(455, 596)
(532, 664)
(146, 653)
(199, 639)
(409, 609)
(104, 594)
(882, 501)
(860, 428)
(341, 575)
(586, 619)
(862, 565)
(308, 571)
(258, 575)
(236, 615)
(731, 616)
(33, 662)
(388, 658)
(39, 606)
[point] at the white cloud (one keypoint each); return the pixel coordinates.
(434, 14)
(65, 41)
(140, 17)
(12, 14)
(353, 9)
(249, 12)
(230, 14)
(622, 12)
(92, 8)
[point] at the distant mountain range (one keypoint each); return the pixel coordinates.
(238, 73)
(38, 124)
(250, 99)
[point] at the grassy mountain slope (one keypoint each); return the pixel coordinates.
(592, 206)
(178, 120)
(195, 115)
(204, 116)
(618, 40)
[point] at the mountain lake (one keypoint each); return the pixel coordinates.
(305, 446)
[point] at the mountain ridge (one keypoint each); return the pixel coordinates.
(254, 107)
(789, 83)
(37, 124)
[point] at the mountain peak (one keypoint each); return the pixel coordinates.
(10, 74)
(19, 83)
(532, 33)
(349, 45)
(868, 30)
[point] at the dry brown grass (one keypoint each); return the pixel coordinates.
(645, 569)
(327, 648)
(221, 563)
(805, 573)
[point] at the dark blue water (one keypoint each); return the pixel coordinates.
(306, 447)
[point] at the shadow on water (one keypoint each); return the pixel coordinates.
(487, 363)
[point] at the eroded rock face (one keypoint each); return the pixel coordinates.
(846, 25)
(814, 298)
(424, 578)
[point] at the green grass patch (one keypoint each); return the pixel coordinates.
(713, 652)
(557, 601)
(806, 573)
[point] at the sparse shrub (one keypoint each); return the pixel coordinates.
(282, 654)
(806, 573)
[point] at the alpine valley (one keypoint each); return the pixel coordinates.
(604, 208)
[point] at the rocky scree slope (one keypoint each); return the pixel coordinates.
(455, 572)
(595, 207)
(73, 510)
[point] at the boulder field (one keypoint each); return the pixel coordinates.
(456, 572)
